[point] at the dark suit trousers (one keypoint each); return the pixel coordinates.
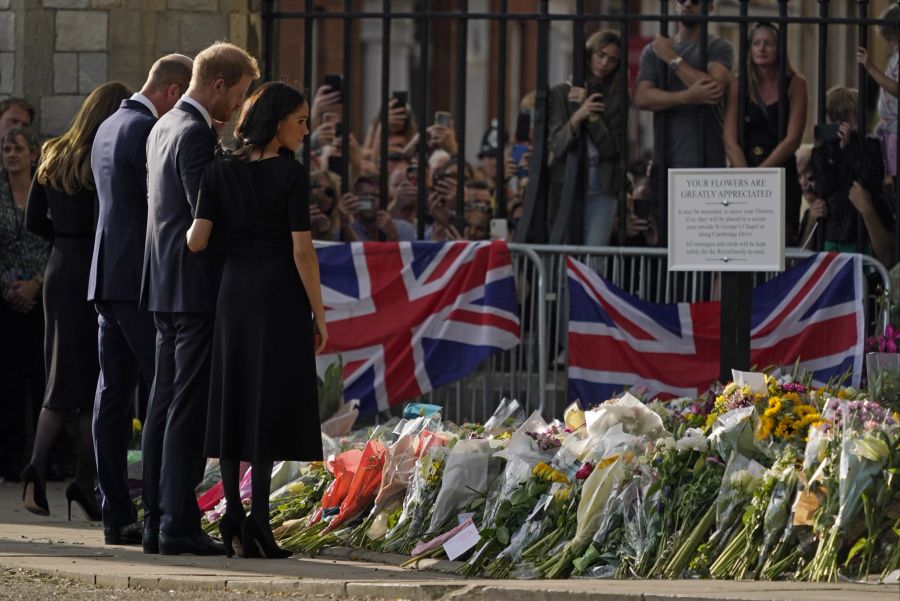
(176, 419)
(126, 344)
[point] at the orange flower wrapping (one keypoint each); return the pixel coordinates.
(344, 467)
(364, 485)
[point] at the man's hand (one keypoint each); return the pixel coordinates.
(664, 48)
(705, 91)
(385, 224)
(861, 199)
(347, 207)
(325, 134)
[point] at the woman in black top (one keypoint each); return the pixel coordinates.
(62, 208)
(22, 259)
(763, 146)
(263, 391)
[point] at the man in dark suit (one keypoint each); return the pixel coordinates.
(180, 288)
(126, 334)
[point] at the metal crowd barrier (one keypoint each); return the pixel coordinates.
(534, 373)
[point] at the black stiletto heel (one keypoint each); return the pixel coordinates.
(230, 531)
(34, 493)
(74, 493)
(257, 545)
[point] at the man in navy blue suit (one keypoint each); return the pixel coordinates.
(126, 334)
(180, 288)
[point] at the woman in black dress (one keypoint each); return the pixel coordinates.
(22, 259)
(263, 391)
(62, 208)
(763, 146)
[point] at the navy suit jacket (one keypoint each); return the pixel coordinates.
(175, 280)
(119, 163)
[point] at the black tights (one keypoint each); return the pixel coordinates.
(49, 425)
(261, 481)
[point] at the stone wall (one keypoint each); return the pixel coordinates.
(54, 52)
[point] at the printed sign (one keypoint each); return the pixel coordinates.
(726, 219)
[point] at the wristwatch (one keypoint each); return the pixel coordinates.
(673, 64)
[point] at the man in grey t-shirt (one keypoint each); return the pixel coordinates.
(694, 91)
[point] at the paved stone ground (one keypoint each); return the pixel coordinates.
(51, 558)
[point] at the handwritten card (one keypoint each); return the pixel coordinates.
(464, 540)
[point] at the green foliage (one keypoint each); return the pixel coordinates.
(331, 390)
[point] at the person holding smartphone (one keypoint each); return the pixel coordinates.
(601, 107)
(849, 175)
(363, 220)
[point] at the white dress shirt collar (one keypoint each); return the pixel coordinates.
(199, 107)
(146, 102)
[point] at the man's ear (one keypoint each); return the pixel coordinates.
(219, 85)
(174, 91)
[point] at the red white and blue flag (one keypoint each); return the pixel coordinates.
(812, 312)
(409, 317)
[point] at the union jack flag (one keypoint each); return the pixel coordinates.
(409, 317)
(812, 312)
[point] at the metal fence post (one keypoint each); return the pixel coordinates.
(459, 118)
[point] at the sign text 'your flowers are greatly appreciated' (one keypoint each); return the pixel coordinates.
(726, 219)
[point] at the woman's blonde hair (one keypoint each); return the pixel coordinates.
(751, 68)
(66, 160)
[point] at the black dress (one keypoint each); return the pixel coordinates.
(762, 138)
(70, 321)
(263, 403)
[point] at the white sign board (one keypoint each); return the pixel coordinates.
(726, 219)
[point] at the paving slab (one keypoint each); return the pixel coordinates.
(75, 550)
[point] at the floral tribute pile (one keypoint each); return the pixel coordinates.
(763, 478)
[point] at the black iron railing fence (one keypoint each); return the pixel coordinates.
(536, 225)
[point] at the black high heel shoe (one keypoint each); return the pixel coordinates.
(88, 503)
(34, 493)
(256, 544)
(230, 531)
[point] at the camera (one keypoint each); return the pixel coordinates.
(442, 118)
(823, 132)
(366, 207)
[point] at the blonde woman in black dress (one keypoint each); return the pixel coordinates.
(270, 320)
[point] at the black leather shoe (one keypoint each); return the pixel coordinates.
(150, 538)
(132, 534)
(192, 544)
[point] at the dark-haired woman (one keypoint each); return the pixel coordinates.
(62, 208)
(263, 393)
(599, 117)
(22, 259)
(764, 147)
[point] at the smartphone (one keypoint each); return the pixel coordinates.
(412, 174)
(400, 98)
(329, 117)
(826, 131)
(499, 229)
(516, 152)
(336, 83)
(523, 128)
(365, 203)
(594, 88)
(442, 118)
(338, 129)
(459, 223)
(335, 164)
(641, 207)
